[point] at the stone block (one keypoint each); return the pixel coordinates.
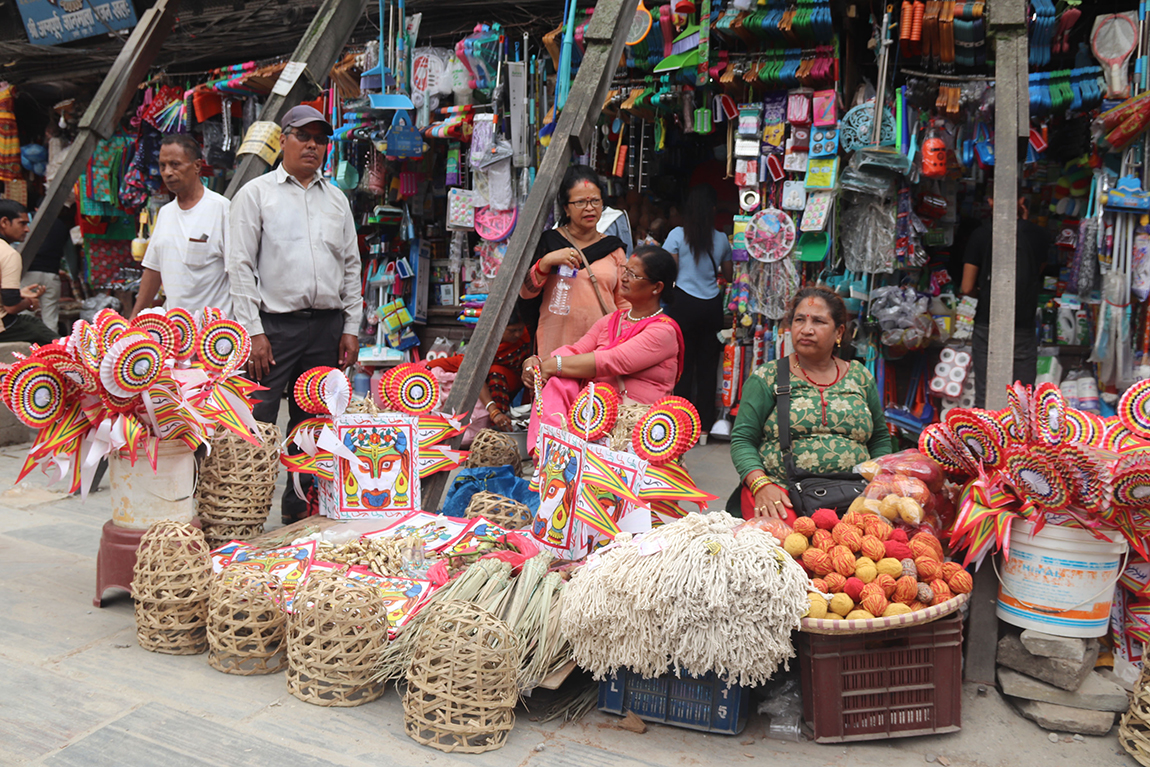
(1095, 693)
(1050, 646)
(1065, 674)
(12, 432)
(1050, 716)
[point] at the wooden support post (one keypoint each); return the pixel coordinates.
(319, 48)
(103, 115)
(1009, 124)
(573, 132)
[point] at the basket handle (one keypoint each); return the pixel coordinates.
(1049, 611)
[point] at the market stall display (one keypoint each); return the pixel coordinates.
(247, 630)
(500, 510)
(236, 485)
(171, 587)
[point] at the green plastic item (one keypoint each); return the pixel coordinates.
(812, 246)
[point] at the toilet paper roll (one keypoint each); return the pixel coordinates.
(962, 359)
(957, 374)
(943, 369)
(947, 355)
(966, 401)
(953, 390)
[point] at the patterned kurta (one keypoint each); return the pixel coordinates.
(851, 430)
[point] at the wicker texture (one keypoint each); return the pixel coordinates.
(494, 448)
(870, 625)
(246, 628)
(1134, 728)
(335, 635)
(170, 585)
(461, 685)
(237, 482)
(499, 509)
(629, 415)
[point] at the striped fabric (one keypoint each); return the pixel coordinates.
(9, 141)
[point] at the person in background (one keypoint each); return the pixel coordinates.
(580, 201)
(616, 222)
(1030, 259)
(703, 254)
(294, 264)
(638, 350)
(837, 419)
(186, 250)
(45, 267)
(14, 298)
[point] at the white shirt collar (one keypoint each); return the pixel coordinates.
(282, 176)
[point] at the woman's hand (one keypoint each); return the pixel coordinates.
(772, 501)
(557, 258)
(501, 420)
(530, 368)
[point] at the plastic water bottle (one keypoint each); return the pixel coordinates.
(561, 298)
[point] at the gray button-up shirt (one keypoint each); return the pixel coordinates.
(290, 249)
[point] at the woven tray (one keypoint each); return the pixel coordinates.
(824, 626)
(1134, 728)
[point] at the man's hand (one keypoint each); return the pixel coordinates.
(348, 350)
(32, 291)
(260, 361)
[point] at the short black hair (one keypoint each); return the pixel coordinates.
(660, 266)
(575, 175)
(12, 210)
(190, 145)
(834, 302)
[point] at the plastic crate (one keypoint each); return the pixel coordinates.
(697, 703)
(890, 684)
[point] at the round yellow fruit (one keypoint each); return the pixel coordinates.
(890, 566)
(795, 544)
(889, 506)
(896, 608)
(841, 604)
(818, 608)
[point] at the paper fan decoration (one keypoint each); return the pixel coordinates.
(223, 346)
(85, 339)
(1005, 419)
(51, 354)
(1037, 474)
(594, 411)
(770, 235)
(983, 436)
(385, 385)
(684, 406)
(1047, 408)
(132, 364)
(1018, 402)
(79, 375)
(1088, 476)
(1083, 428)
(1134, 408)
(34, 392)
(184, 326)
(1132, 481)
(210, 314)
(310, 390)
(156, 324)
(940, 444)
(110, 325)
(122, 405)
(413, 390)
(661, 435)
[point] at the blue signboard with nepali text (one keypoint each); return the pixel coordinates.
(51, 22)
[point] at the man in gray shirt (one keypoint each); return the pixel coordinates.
(294, 265)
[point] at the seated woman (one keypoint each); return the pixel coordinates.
(836, 415)
(629, 349)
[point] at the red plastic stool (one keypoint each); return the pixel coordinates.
(117, 558)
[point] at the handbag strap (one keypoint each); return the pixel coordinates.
(591, 274)
(783, 413)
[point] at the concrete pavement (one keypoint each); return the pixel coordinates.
(75, 689)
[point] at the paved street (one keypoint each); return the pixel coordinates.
(75, 689)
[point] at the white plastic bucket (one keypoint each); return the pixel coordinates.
(140, 498)
(1060, 581)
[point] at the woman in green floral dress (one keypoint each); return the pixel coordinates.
(837, 418)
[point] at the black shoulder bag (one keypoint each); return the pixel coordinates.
(809, 492)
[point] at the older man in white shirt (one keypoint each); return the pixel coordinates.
(294, 264)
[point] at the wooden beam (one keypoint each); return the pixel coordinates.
(1010, 70)
(103, 115)
(573, 132)
(320, 48)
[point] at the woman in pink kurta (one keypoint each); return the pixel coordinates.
(581, 203)
(639, 350)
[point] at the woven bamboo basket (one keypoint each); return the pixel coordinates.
(1134, 728)
(494, 448)
(170, 585)
(335, 635)
(364, 405)
(237, 482)
(629, 415)
(246, 627)
(499, 509)
(461, 685)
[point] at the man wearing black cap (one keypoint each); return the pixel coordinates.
(293, 262)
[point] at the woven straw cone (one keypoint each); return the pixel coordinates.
(629, 415)
(1134, 729)
(237, 482)
(461, 686)
(335, 635)
(494, 448)
(499, 509)
(246, 628)
(170, 585)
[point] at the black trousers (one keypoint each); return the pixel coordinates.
(300, 341)
(1025, 359)
(25, 327)
(700, 319)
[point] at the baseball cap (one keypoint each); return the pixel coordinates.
(303, 115)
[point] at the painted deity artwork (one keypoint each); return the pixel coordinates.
(437, 531)
(384, 482)
(557, 479)
(289, 565)
(403, 596)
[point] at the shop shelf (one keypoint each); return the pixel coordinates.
(697, 703)
(890, 684)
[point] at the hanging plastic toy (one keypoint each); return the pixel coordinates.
(933, 153)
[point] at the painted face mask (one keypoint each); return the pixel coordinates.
(382, 477)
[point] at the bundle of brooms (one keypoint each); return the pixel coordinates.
(529, 603)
